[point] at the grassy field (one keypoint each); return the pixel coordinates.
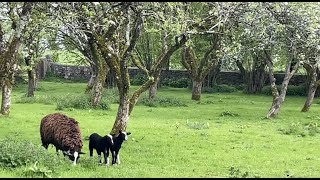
(225, 135)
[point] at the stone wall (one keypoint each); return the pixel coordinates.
(70, 72)
(230, 78)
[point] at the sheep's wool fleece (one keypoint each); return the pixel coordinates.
(61, 131)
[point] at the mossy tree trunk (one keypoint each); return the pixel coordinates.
(6, 98)
(79, 36)
(196, 89)
(313, 85)
(278, 98)
(92, 77)
(9, 51)
(153, 90)
(199, 69)
(213, 75)
(146, 52)
(118, 63)
(101, 71)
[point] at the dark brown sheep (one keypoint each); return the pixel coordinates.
(64, 133)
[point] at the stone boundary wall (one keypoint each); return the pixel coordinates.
(225, 77)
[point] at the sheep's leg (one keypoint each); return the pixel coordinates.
(118, 157)
(91, 147)
(91, 152)
(99, 155)
(106, 157)
(114, 156)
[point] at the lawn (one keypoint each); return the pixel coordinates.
(225, 135)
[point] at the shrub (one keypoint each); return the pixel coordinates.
(37, 171)
(162, 102)
(73, 101)
(14, 153)
(46, 99)
(138, 79)
(111, 94)
(241, 87)
(223, 88)
(293, 128)
(177, 82)
(310, 129)
(81, 102)
(291, 91)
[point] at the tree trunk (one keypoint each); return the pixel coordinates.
(313, 84)
(153, 90)
(8, 60)
(31, 83)
(243, 72)
(119, 65)
(96, 94)
(276, 106)
(256, 81)
(279, 99)
(99, 83)
(92, 78)
(122, 116)
(196, 90)
(6, 99)
(214, 74)
(31, 77)
(275, 94)
(253, 78)
(91, 82)
(36, 81)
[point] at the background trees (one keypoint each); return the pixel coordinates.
(293, 26)
(256, 38)
(75, 31)
(127, 22)
(211, 21)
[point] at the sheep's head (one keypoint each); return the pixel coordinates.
(124, 135)
(73, 155)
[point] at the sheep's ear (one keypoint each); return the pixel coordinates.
(81, 152)
(128, 133)
(119, 131)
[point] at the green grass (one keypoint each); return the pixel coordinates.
(225, 135)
